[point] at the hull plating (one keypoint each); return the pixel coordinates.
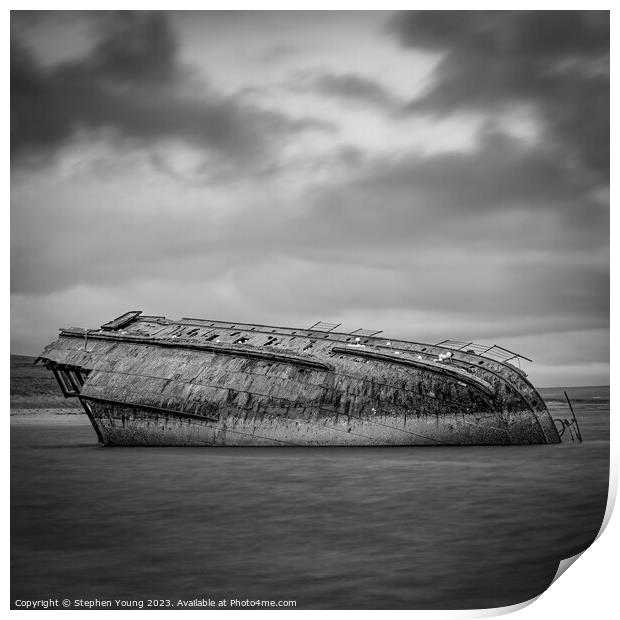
(123, 425)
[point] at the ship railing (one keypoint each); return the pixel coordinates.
(324, 326)
(366, 332)
(493, 351)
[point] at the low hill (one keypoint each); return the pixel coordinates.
(34, 387)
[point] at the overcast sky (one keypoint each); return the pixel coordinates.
(435, 175)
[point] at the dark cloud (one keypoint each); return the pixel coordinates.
(349, 87)
(135, 48)
(555, 61)
(424, 199)
(132, 85)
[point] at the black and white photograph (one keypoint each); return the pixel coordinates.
(309, 309)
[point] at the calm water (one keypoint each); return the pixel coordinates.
(433, 527)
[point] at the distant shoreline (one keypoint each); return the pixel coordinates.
(48, 415)
(572, 387)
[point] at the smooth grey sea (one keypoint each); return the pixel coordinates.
(330, 528)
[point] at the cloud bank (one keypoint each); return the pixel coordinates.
(132, 85)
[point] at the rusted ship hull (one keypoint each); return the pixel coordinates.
(150, 381)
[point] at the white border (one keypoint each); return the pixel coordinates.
(588, 588)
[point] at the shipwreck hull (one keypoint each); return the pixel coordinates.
(149, 381)
(132, 425)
